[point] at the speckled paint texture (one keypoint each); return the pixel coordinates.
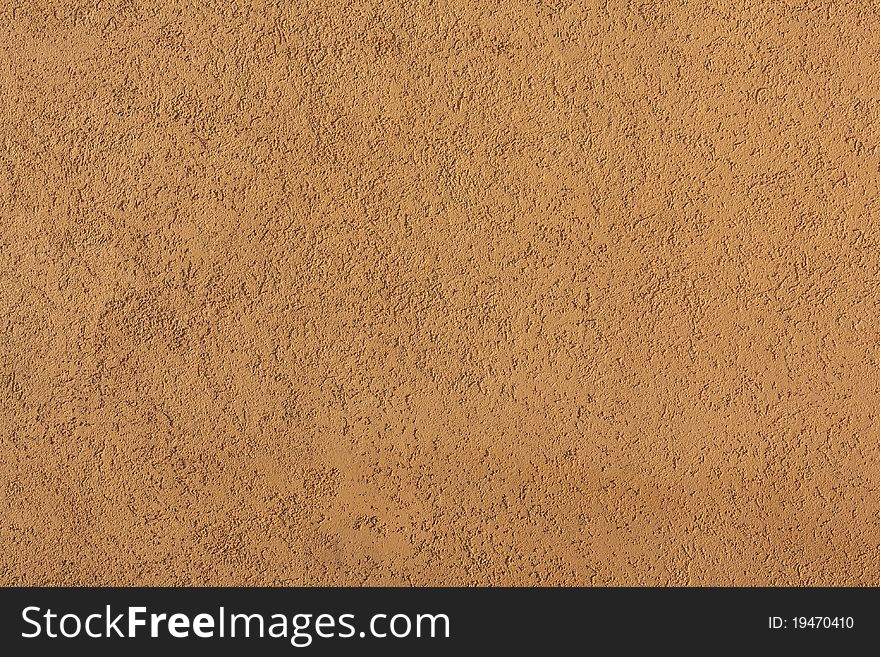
(417, 293)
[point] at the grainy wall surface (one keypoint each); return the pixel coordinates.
(439, 292)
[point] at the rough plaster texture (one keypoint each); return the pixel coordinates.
(439, 292)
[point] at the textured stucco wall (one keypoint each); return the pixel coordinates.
(439, 292)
